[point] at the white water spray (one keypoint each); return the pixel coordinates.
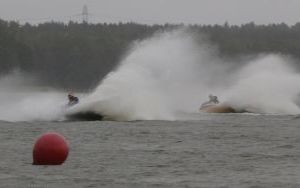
(171, 73)
(161, 77)
(266, 85)
(22, 100)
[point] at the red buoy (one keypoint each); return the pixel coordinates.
(50, 149)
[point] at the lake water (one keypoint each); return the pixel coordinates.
(210, 151)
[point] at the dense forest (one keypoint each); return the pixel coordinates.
(78, 55)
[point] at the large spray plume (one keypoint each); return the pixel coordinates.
(156, 73)
(162, 77)
(172, 73)
(266, 85)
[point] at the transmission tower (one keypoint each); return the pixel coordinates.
(85, 14)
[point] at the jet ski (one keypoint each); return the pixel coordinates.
(75, 115)
(72, 100)
(214, 106)
(84, 116)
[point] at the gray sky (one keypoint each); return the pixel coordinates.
(154, 11)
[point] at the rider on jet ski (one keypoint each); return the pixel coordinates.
(72, 100)
(212, 101)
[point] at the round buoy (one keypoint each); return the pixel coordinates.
(50, 149)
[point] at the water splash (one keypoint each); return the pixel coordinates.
(168, 74)
(172, 72)
(22, 100)
(266, 85)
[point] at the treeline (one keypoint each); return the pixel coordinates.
(249, 39)
(76, 56)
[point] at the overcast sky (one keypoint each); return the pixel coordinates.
(154, 11)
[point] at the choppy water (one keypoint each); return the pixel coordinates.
(211, 151)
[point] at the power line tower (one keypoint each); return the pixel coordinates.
(85, 14)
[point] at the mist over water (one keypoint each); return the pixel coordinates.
(22, 99)
(168, 74)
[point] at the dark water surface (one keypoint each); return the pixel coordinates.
(213, 151)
